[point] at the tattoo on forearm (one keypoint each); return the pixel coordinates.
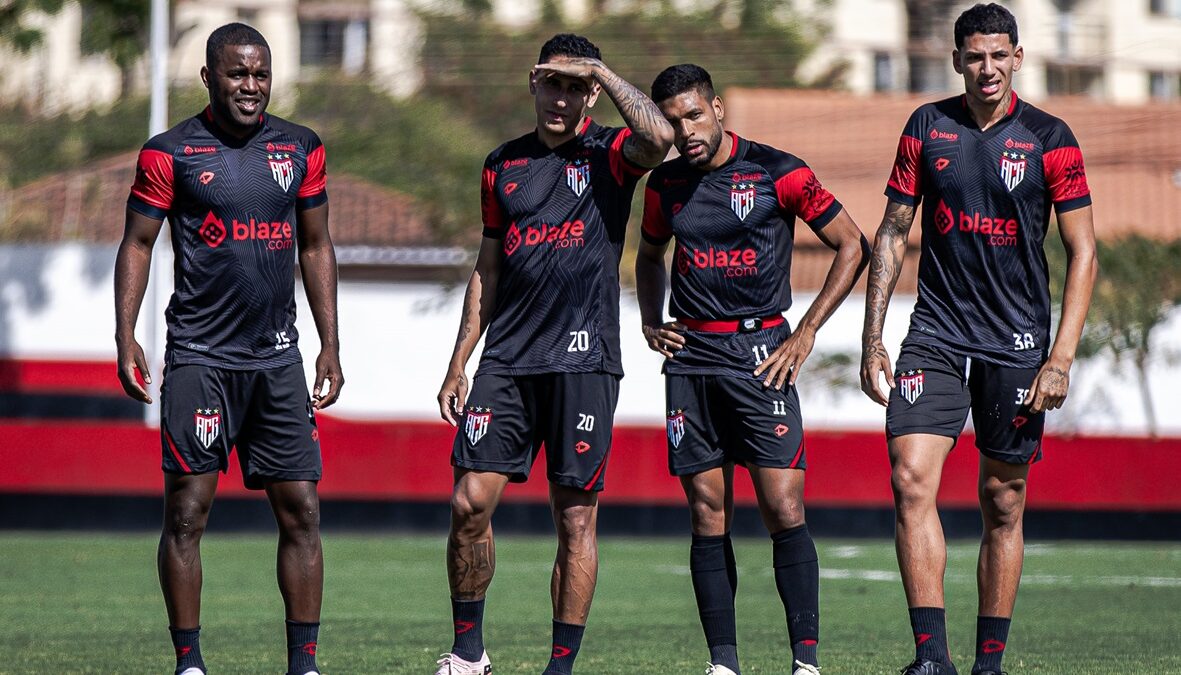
(465, 325)
(640, 113)
(889, 249)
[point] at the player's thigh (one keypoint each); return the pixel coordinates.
(1006, 430)
(199, 419)
(496, 431)
(279, 440)
(758, 425)
(577, 429)
(931, 396)
(692, 441)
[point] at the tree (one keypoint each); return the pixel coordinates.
(1137, 288)
(117, 29)
(14, 32)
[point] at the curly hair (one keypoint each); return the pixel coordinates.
(990, 19)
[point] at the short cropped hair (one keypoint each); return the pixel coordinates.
(236, 34)
(681, 78)
(568, 44)
(990, 19)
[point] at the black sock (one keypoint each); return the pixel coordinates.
(301, 647)
(714, 588)
(469, 629)
(797, 577)
(567, 640)
(930, 633)
(991, 634)
(731, 565)
(187, 642)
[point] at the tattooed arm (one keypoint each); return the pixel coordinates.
(889, 250)
(1049, 388)
(652, 135)
(478, 302)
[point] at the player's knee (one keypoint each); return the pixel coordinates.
(1002, 504)
(707, 518)
(912, 487)
(301, 518)
(576, 527)
(469, 512)
(185, 523)
(785, 515)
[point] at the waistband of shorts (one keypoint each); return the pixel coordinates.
(733, 326)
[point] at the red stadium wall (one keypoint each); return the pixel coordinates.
(408, 461)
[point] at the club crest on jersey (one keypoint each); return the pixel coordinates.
(476, 423)
(910, 385)
(282, 168)
(676, 427)
(742, 199)
(1012, 169)
(578, 176)
(208, 423)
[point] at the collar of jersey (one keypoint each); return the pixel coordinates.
(1013, 101)
(206, 118)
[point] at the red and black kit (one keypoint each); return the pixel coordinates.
(986, 198)
(734, 229)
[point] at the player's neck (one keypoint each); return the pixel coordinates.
(725, 149)
(552, 140)
(988, 114)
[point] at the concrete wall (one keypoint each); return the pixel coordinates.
(56, 304)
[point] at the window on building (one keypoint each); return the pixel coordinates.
(334, 43)
(883, 72)
(928, 74)
(1165, 8)
(1074, 80)
(1164, 86)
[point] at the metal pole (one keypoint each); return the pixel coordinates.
(161, 275)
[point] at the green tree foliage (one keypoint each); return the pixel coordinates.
(14, 30)
(1138, 287)
(482, 68)
(117, 29)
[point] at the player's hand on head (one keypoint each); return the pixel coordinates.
(667, 338)
(783, 364)
(452, 396)
(327, 368)
(1049, 388)
(580, 67)
(131, 359)
(875, 362)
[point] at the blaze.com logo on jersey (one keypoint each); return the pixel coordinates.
(567, 235)
(278, 236)
(998, 230)
(739, 262)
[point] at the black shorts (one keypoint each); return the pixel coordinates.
(508, 418)
(267, 414)
(715, 419)
(936, 388)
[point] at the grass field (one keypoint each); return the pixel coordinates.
(88, 603)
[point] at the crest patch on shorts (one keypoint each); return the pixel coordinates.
(676, 427)
(910, 385)
(208, 425)
(476, 423)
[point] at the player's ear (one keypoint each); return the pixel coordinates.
(719, 108)
(533, 82)
(205, 76)
(1018, 57)
(955, 62)
(596, 89)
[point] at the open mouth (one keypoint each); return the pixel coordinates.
(989, 88)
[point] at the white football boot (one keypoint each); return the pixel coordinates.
(192, 671)
(805, 669)
(450, 664)
(719, 670)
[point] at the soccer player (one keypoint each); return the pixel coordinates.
(732, 360)
(555, 205)
(986, 167)
(243, 192)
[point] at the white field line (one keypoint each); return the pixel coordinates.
(1078, 580)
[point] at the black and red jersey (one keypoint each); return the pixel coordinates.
(983, 280)
(231, 204)
(560, 214)
(734, 229)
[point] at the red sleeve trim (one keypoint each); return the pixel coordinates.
(490, 210)
(621, 166)
(905, 177)
(316, 178)
(153, 179)
(801, 194)
(1066, 176)
(655, 228)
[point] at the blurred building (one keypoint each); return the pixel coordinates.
(1118, 51)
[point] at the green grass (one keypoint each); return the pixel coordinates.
(88, 603)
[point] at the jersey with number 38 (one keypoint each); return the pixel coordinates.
(986, 198)
(560, 215)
